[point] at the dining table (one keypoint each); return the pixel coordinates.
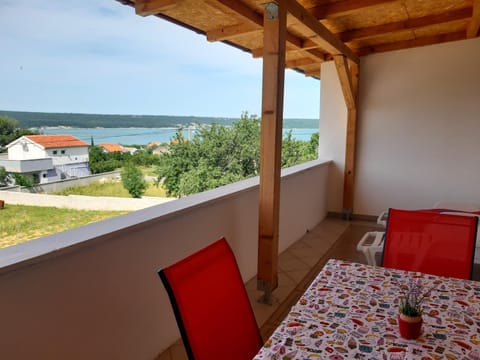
(350, 311)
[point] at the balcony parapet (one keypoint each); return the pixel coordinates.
(99, 281)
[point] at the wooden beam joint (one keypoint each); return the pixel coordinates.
(325, 39)
(344, 76)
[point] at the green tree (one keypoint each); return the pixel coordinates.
(101, 162)
(133, 181)
(216, 156)
(296, 151)
(313, 145)
(3, 176)
(10, 131)
(220, 155)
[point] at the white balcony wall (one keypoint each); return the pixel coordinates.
(93, 292)
(418, 128)
(27, 166)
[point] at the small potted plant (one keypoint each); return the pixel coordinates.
(411, 310)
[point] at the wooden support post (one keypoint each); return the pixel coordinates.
(275, 19)
(474, 25)
(348, 75)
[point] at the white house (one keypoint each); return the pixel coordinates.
(48, 158)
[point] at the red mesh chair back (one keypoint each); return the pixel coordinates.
(211, 305)
(430, 242)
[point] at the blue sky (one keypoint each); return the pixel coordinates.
(97, 56)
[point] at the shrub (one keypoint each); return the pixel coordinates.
(133, 181)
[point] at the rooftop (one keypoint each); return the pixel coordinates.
(56, 141)
(112, 147)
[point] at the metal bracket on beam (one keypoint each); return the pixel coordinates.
(271, 11)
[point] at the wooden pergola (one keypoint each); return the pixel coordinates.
(301, 34)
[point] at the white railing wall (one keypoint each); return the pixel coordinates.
(57, 186)
(94, 293)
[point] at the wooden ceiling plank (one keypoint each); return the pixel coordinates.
(256, 18)
(414, 23)
(474, 24)
(344, 7)
(421, 41)
(244, 10)
(152, 7)
(325, 38)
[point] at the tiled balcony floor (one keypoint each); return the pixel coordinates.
(298, 265)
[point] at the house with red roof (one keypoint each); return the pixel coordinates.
(109, 148)
(47, 158)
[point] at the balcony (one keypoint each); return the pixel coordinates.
(93, 292)
(27, 166)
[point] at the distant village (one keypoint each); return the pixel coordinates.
(49, 158)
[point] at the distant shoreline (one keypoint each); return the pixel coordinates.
(40, 120)
(143, 136)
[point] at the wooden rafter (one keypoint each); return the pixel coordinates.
(324, 38)
(254, 18)
(151, 7)
(474, 24)
(296, 63)
(232, 31)
(344, 7)
(413, 23)
(316, 56)
(421, 41)
(240, 23)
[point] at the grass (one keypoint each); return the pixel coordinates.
(21, 223)
(111, 188)
(149, 170)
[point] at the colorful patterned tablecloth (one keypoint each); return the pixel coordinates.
(350, 312)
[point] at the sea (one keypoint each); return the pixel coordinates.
(143, 136)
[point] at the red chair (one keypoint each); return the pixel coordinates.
(430, 242)
(211, 305)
